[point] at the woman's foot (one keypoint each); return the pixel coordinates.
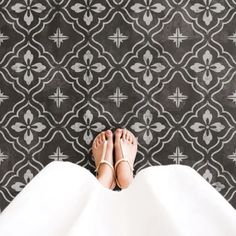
(105, 173)
(129, 146)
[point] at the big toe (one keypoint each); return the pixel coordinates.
(118, 135)
(109, 137)
(118, 152)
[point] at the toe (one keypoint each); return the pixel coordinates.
(132, 137)
(109, 153)
(109, 135)
(129, 137)
(100, 138)
(118, 134)
(125, 134)
(109, 138)
(103, 137)
(95, 142)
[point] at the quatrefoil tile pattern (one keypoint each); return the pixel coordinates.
(166, 70)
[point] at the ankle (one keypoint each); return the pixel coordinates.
(124, 175)
(124, 181)
(105, 176)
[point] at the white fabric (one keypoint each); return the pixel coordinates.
(67, 200)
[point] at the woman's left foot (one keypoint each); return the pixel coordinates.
(105, 172)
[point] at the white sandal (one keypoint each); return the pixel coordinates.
(103, 161)
(123, 158)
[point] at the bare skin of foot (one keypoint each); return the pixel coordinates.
(105, 174)
(123, 171)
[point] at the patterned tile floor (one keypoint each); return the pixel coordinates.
(166, 70)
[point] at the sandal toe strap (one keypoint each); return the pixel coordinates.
(103, 161)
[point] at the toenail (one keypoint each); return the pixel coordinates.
(108, 132)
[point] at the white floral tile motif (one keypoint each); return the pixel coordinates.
(207, 67)
(27, 9)
(88, 67)
(87, 13)
(208, 176)
(148, 127)
(87, 127)
(84, 125)
(28, 126)
(208, 13)
(207, 127)
(148, 13)
(28, 13)
(148, 8)
(147, 67)
(208, 8)
(28, 67)
(18, 186)
(88, 8)
(165, 70)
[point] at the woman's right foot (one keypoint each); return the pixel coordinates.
(129, 146)
(105, 172)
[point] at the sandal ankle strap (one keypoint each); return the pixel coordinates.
(118, 162)
(104, 162)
